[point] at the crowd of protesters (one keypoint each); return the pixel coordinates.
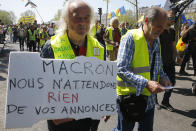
(32, 36)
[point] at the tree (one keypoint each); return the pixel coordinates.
(128, 17)
(57, 15)
(27, 13)
(7, 17)
(12, 16)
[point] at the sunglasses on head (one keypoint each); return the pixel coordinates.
(171, 18)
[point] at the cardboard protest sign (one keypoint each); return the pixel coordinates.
(54, 89)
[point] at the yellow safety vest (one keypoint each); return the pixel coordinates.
(140, 64)
(42, 41)
(109, 46)
(94, 30)
(9, 29)
(32, 36)
(62, 48)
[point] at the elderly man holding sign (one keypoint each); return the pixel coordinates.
(73, 40)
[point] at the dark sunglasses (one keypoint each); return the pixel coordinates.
(171, 18)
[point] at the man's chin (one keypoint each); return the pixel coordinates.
(81, 33)
(156, 36)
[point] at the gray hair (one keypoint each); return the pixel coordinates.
(65, 16)
(153, 13)
(112, 20)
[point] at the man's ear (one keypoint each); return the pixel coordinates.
(146, 19)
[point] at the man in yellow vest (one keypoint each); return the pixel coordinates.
(112, 38)
(31, 38)
(43, 37)
(95, 28)
(73, 40)
(140, 75)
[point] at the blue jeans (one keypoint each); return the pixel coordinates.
(125, 125)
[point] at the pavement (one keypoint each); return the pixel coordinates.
(183, 119)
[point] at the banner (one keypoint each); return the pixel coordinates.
(27, 19)
(56, 89)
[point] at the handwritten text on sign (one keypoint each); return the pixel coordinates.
(52, 89)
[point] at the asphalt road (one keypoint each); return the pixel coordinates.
(184, 119)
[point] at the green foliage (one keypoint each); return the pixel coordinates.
(7, 17)
(128, 17)
(57, 15)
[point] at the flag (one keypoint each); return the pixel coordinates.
(122, 10)
(109, 15)
(113, 14)
(117, 12)
(190, 22)
(183, 19)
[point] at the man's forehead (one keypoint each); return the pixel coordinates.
(76, 6)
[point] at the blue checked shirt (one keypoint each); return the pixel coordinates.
(124, 59)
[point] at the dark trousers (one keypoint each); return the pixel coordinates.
(86, 124)
(186, 58)
(32, 45)
(1, 38)
(144, 125)
(38, 44)
(169, 69)
(15, 38)
(189, 52)
(21, 40)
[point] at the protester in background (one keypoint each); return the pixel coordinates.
(31, 38)
(21, 36)
(190, 38)
(38, 31)
(139, 70)
(73, 40)
(15, 33)
(10, 33)
(123, 28)
(43, 37)
(1, 34)
(168, 51)
(180, 54)
(95, 28)
(51, 30)
(127, 26)
(112, 38)
(100, 37)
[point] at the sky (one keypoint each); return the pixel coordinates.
(48, 8)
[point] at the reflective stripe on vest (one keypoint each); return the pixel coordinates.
(140, 69)
(32, 36)
(62, 48)
(139, 65)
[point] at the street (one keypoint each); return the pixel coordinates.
(183, 119)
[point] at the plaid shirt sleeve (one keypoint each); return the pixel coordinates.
(124, 59)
